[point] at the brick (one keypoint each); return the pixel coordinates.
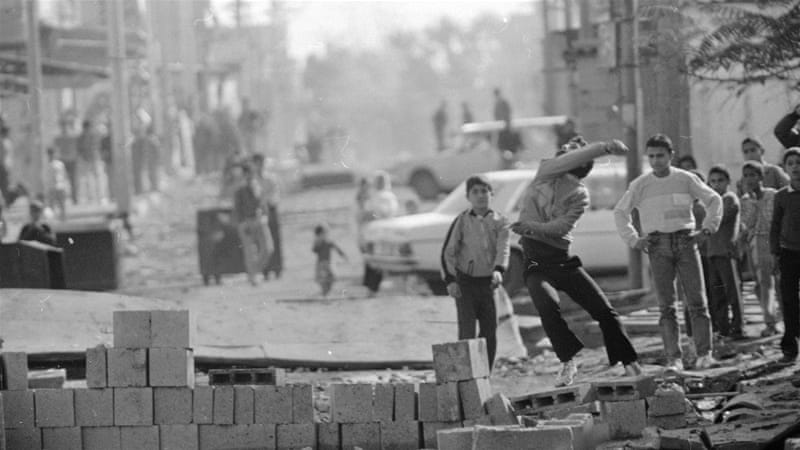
(351, 403)
(483, 420)
(367, 436)
(94, 407)
(101, 438)
(295, 436)
(178, 437)
(63, 438)
(127, 367)
(581, 431)
(203, 405)
(454, 439)
(27, 438)
(47, 379)
(171, 367)
(328, 436)
(668, 422)
(255, 436)
(429, 430)
(383, 403)
(428, 403)
(15, 371)
(625, 388)
(625, 419)
(172, 406)
(563, 413)
(448, 405)
(223, 405)
(500, 410)
(682, 439)
(400, 435)
(601, 432)
(243, 406)
(666, 402)
(273, 404)
(473, 395)
(553, 399)
(251, 376)
(172, 329)
(18, 409)
(139, 438)
(54, 407)
(133, 406)
(132, 329)
(461, 360)
(405, 402)
(492, 438)
(302, 403)
(96, 367)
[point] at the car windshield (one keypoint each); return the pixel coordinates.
(505, 192)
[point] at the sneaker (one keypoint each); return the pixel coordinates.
(633, 369)
(770, 330)
(706, 362)
(567, 374)
(676, 365)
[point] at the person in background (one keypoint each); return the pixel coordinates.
(251, 223)
(323, 247)
(440, 125)
(36, 229)
(152, 158)
(56, 184)
(687, 163)
(88, 148)
(382, 204)
(502, 109)
(9, 193)
(466, 113)
(774, 176)
(787, 130)
(66, 146)
(271, 201)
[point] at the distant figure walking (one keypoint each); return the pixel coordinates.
(88, 146)
(270, 202)
(67, 151)
(323, 248)
(440, 125)
(502, 110)
(252, 224)
(57, 184)
(466, 113)
(36, 229)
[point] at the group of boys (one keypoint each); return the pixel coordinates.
(475, 253)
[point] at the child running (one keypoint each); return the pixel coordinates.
(322, 247)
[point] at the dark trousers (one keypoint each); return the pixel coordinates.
(72, 175)
(275, 261)
(687, 321)
(543, 286)
(789, 263)
(723, 278)
(477, 304)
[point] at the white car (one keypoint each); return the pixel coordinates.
(412, 244)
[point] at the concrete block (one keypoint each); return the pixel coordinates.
(351, 403)
(560, 398)
(243, 405)
(62, 438)
(529, 421)
(448, 404)
(15, 371)
(366, 436)
(18, 409)
(581, 431)
(127, 367)
(54, 407)
(428, 403)
(328, 436)
(429, 430)
(171, 367)
(273, 404)
(295, 436)
(500, 410)
(461, 360)
(172, 329)
(473, 395)
(383, 403)
(625, 419)
(682, 439)
(791, 444)
(302, 403)
(178, 437)
(101, 438)
(139, 438)
(400, 435)
(510, 437)
(172, 406)
(27, 438)
(668, 422)
(47, 379)
(203, 405)
(562, 413)
(255, 436)
(223, 405)
(482, 420)
(405, 402)
(625, 388)
(454, 439)
(133, 406)
(96, 367)
(132, 329)
(601, 432)
(666, 402)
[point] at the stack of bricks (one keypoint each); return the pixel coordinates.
(666, 408)
(623, 404)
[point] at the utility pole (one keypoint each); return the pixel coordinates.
(34, 68)
(120, 109)
(572, 69)
(624, 13)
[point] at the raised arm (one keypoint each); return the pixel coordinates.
(783, 130)
(562, 164)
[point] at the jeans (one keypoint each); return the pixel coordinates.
(254, 234)
(477, 303)
(671, 255)
(789, 263)
(725, 295)
(687, 322)
(762, 264)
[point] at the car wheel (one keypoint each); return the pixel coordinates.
(514, 278)
(438, 287)
(425, 185)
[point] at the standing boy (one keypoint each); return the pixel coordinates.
(251, 222)
(664, 200)
(474, 257)
(723, 273)
(784, 241)
(57, 184)
(774, 176)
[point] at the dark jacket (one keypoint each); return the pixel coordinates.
(784, 133)
(39, 232)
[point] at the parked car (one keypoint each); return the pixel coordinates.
(412, 244)
(473, 151)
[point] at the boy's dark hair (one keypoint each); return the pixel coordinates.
(687, 158)
(789, 152)
(319, 229)
(752, 140)
(478, 180)
(755, 166)
(660, 140)
(720, 170)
